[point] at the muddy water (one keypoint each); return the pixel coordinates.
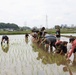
(22, 59)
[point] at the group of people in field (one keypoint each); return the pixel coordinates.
(53, 42)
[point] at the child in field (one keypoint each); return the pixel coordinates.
(61, 47)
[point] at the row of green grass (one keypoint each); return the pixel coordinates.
(14, 32)
(50, 31)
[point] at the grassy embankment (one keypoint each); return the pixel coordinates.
(13, 32)
(63, 31)
(51, 31)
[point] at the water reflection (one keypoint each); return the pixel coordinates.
(5, 47)
(21, 59)
(49, 58)
(26, 37)
(26, 40)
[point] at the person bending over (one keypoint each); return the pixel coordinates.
(49, 41)
(5, 38)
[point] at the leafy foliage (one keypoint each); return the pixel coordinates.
(8, 25)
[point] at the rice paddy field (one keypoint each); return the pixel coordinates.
(24, 58)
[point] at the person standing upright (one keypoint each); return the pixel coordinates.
(58, 34)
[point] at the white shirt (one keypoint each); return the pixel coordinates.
(69, 46)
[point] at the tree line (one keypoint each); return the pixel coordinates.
(8, 25)
(12, 26)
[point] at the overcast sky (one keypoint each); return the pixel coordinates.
(33, 12)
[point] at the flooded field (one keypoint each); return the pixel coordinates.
(23, 58)
(73, 34)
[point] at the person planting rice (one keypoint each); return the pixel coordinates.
(5, 43)
(5, 38)
(42, 31)
(61, 47)
(49, 41)
(72, 50)
(26, 35)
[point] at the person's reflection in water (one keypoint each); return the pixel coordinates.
(66, 68)
(5, 46)
(53, 58)
(26, 37)
(48, 58)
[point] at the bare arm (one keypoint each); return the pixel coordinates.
(42, 42)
